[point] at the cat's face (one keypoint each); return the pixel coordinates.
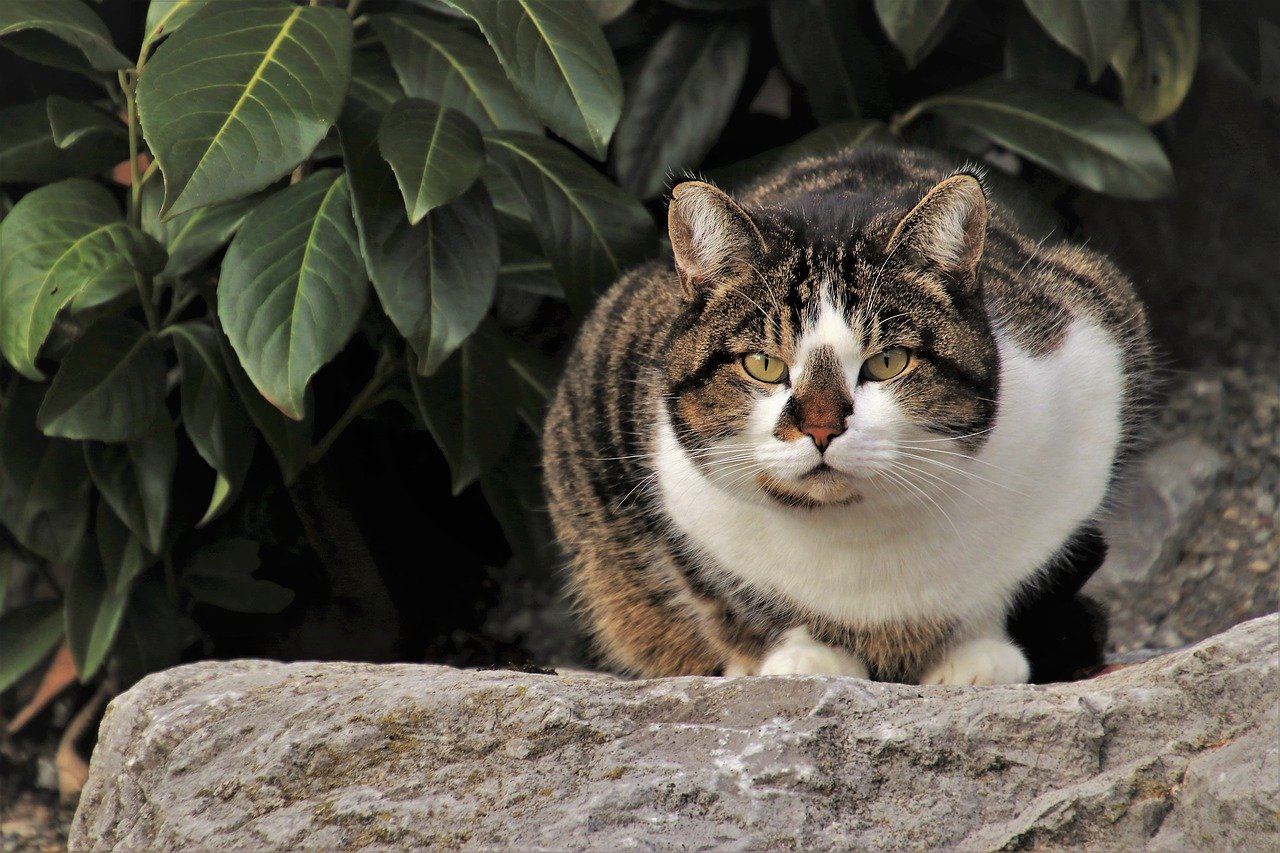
(828, 368)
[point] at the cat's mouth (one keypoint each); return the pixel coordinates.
(821, 485)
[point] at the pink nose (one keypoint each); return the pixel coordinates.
(822, 434)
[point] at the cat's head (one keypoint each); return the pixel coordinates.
(827, 356)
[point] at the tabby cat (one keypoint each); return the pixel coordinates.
(856, 420)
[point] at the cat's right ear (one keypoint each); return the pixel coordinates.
(710, 234)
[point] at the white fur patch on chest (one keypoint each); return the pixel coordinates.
(1043, 471)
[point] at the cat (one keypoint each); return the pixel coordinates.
(850, 427)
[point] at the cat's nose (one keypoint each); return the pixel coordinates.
(822, 434)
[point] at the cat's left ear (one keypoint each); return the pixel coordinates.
(947, 229)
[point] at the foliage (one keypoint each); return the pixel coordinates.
(334, 212)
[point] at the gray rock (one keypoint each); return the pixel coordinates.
(1174, 753)
(1162, 500)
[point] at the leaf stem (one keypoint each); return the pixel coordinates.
(128, 83)
(365, 400)
(898, 122)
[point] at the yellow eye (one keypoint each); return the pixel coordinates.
(887, 364)
(766, 368)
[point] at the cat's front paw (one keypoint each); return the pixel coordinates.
(987, 660)
(800, 654)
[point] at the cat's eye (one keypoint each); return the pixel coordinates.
(886, 364)
(765, 368)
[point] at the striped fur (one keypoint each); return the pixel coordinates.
(852, 241)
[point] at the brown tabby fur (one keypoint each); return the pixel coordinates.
(654, 607)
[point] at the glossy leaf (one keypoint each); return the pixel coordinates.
(1031, 56)
(191, 238)
(293, 287)
(94, 610)
(590, 230)
(469, 406)
(435, 152)
(680, 102)
(373, 80)
(135, 479)
(72, 121)
(1083, 138)
(44, 488)
(610, 10)
(914, 26)
(211, 414)
(154, 634)
(555, 55)
(221, 574)
(1087, 28)
(240, 95)
(440, 63)
(110, 386)
(1156, 56)
(435, 279)
(63, 33)
(524, 268)
(165, 16)
(27, 635)
(122, 555)
(30, 154)
(289, 440)
(59, 240)
(824, 141)
(822, 46)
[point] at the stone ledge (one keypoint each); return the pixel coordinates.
(1174, 753)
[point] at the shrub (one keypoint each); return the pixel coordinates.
(412, 201)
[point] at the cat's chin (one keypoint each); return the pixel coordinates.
(820, 487)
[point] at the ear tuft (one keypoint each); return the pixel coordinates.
(947, 229)
(710, 233)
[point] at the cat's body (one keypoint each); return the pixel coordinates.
(839, 517)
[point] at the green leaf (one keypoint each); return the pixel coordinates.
(122, 555)
(1156, 56)
(1032, 56)
(680, 102)
(609, 10)
(435, 279)
(136, 479)
(915, 26)
(58, 241)
(435, 152)
(221, 574)
(469, 406)
(439, 63)
(822, 46)
(240, 95)
(71, 121)
(93, 610)
(1083, 138)
(289, 440)
(555, 54)
(110, 386)
(27, 635)
(536, 379)
(1087, 28)
(293, 287)
(513, 490)
(165, 16)
(524, 268)
(373, 81)
(824, 141)
(44, 488)
(590, 230)
(62, 33)
(214, 420)
(155, 632)
(29, 153)
(191, 238)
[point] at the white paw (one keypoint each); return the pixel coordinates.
(983, 661)
(800, 654)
